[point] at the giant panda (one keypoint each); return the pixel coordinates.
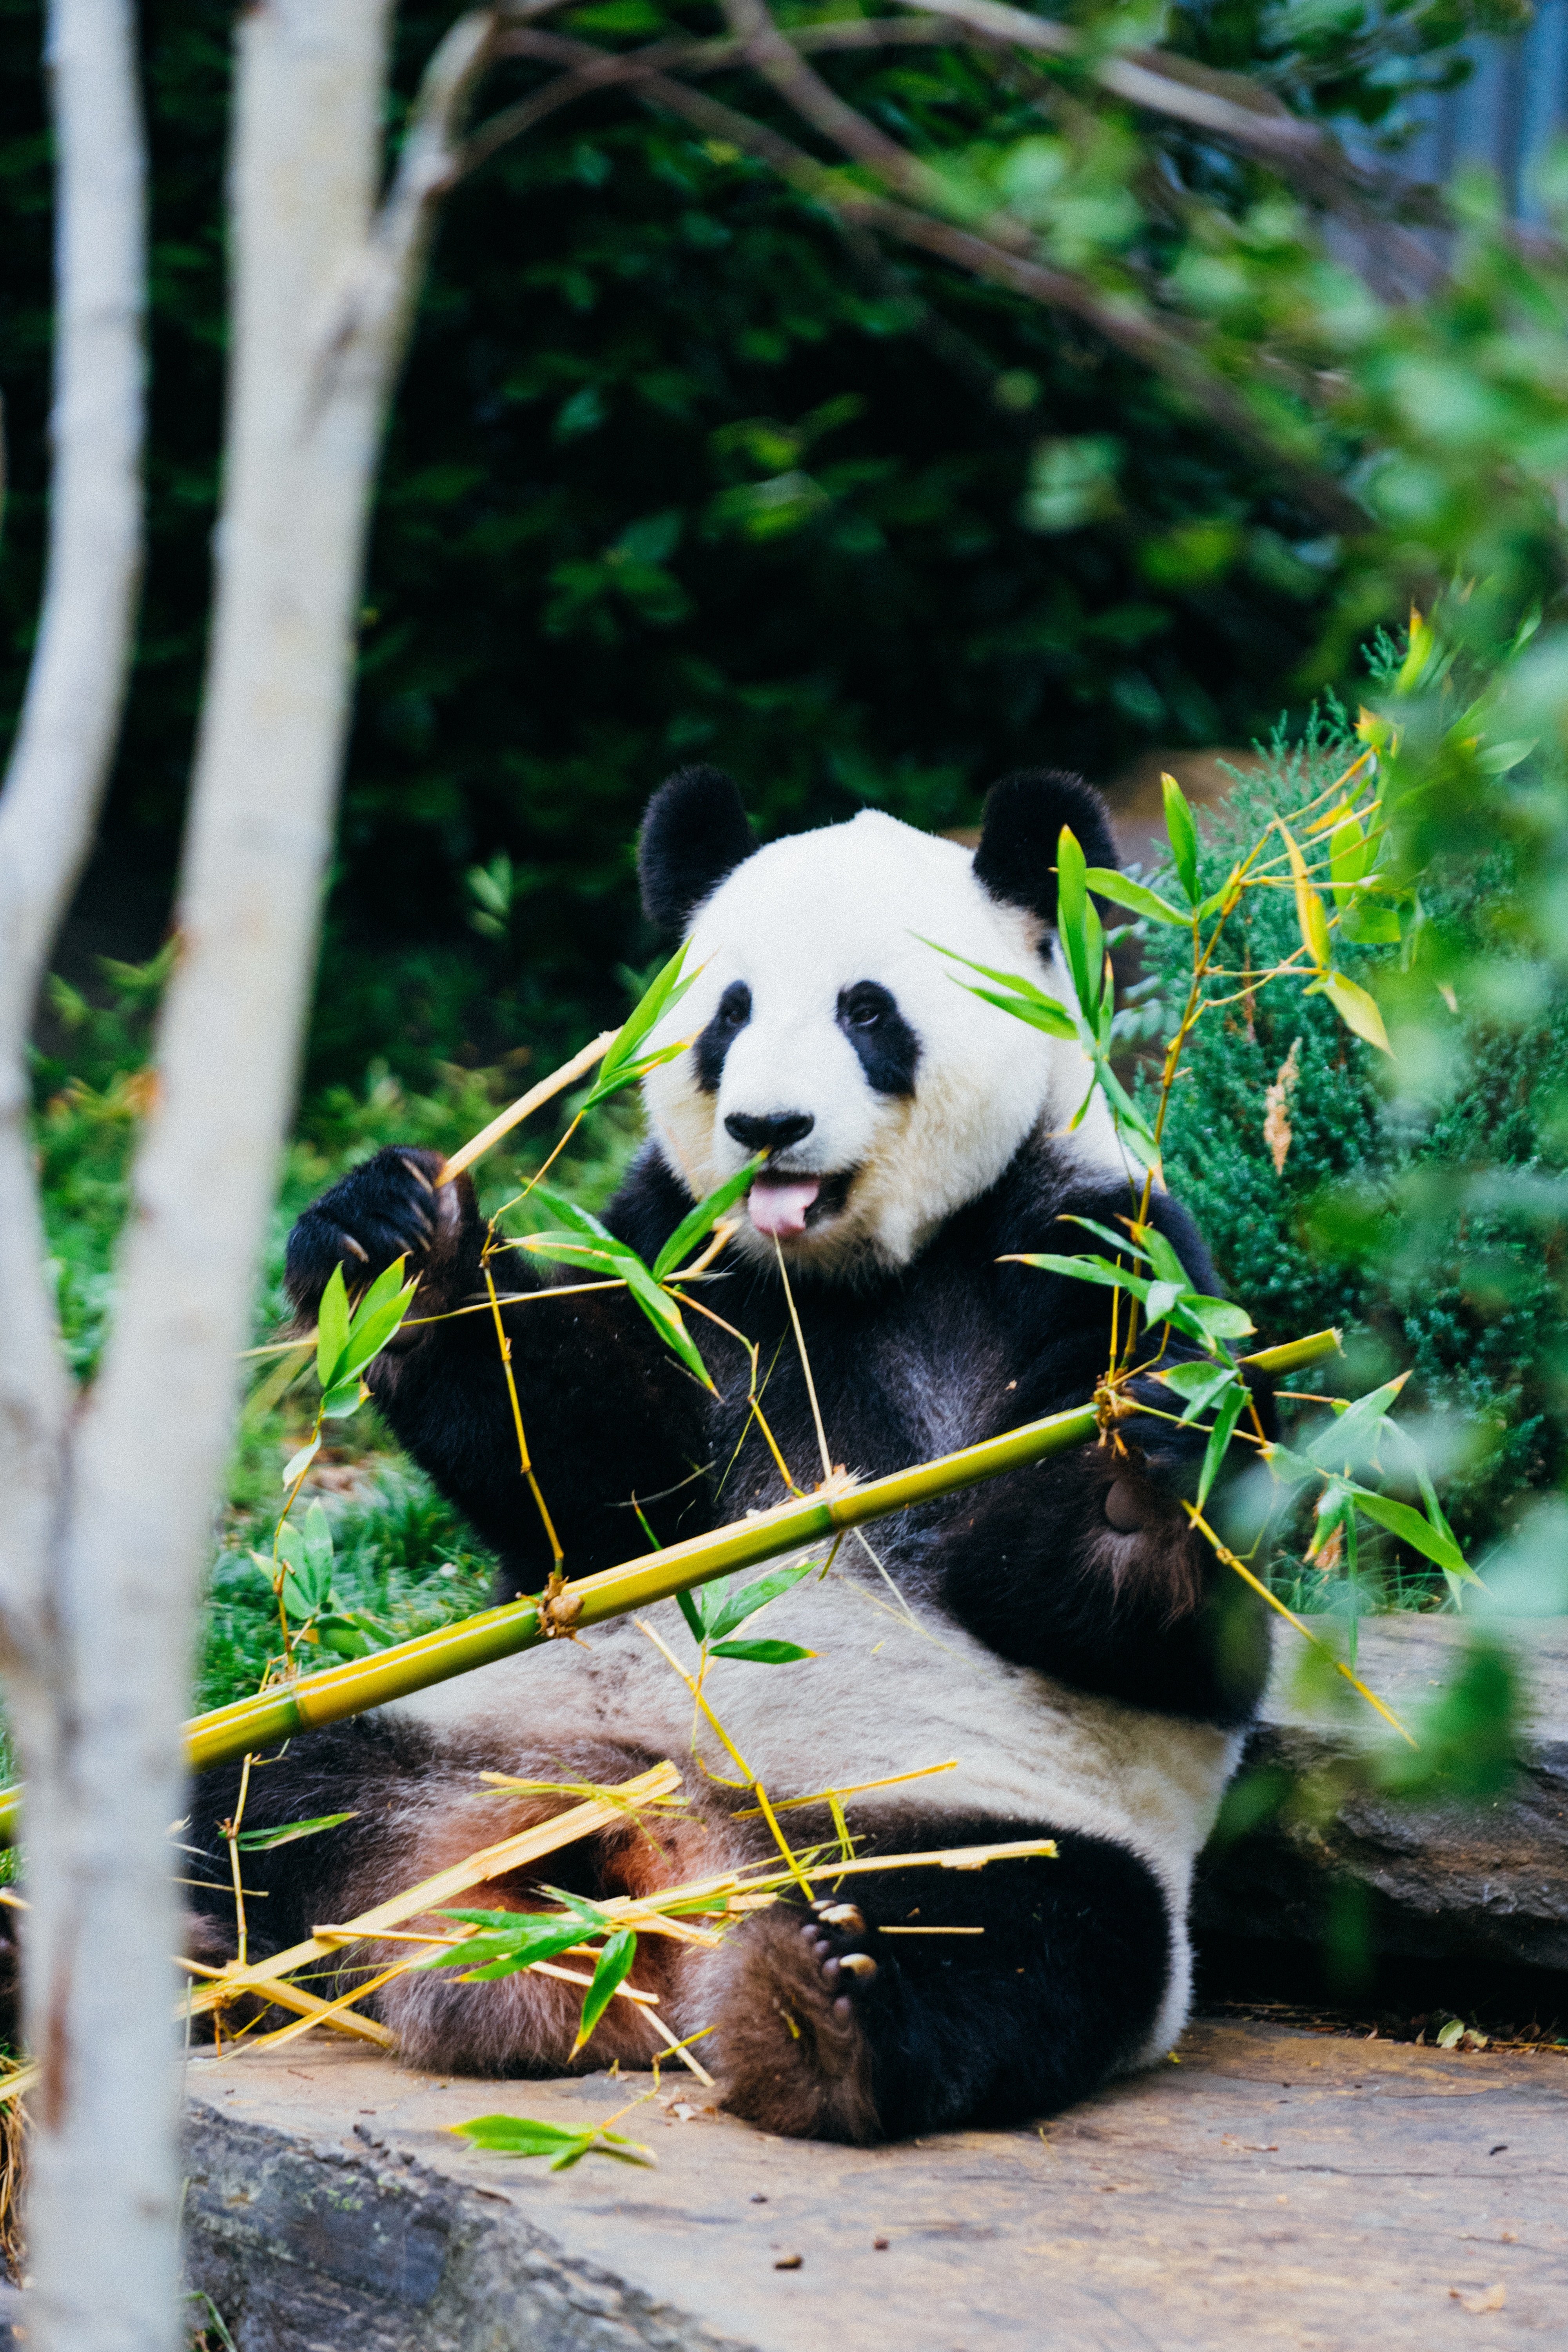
(1058, 1638)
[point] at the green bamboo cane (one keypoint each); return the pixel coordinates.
(287, 1709)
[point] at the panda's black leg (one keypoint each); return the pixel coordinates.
(932, 1999)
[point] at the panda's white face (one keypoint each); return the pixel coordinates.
(830, 1034)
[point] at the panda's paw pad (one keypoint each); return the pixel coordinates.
(837, 1937)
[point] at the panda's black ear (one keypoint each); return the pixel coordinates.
(695, 831)
(1016, 859)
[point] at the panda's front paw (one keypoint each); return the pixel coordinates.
(388, 1209)
(840, 1942)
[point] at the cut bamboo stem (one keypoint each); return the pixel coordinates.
(288, 1709)
(515, 1113)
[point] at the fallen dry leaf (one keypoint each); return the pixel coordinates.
(1491, 2298)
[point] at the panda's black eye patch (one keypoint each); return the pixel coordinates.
(887, 1046)
(734, 1012)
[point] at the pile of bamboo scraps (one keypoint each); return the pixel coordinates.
(699, 1912)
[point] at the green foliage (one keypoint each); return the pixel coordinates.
(1412, 1217)
(401, 1561)
(661, 427)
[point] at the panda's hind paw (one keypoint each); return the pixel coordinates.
(838, 1936)
(795, 2031)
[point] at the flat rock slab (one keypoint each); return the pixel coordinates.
(1486, 1883)
(1274, 2188)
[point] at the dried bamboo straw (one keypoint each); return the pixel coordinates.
(515, 1113)
(511, 1853)
(285, 1710)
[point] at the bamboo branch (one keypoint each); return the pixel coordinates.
(304, 1705)
(515, 1113)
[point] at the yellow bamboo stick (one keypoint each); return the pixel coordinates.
(515, 1113)
(510, 1853)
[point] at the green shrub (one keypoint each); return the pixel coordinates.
(1424, 1218)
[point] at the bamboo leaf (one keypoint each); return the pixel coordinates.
(763, 1653)
(1077, 925)
(369, 1334)
(1163, 1256)
(701, 1221)
(1107, 1234)
(662, 995)
(298, 1464)
(332, 1330)
(263, 1840)
(1231, 1408)
(522, 2135)
(665, 1317)
(576, 1220)
(316, 1548)
(1199, 1383)
(1220, 1318)
(1357, 1009)
(385, 1286)
(690, 1608)
(1040, 1011)
(1161, 1298)
(1350, 857)
(1401, 1519)
(613, 1964)
(1084, 1269)
(1122, 891)
(1349, 1438)
(734, 1609)
(604, 2143)
(1184, 837)
(345, 1398)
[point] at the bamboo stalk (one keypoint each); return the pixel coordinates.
(286, 1710)
(515, 1113)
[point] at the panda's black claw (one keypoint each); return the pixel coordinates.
(848, 1917)
(858, 1965)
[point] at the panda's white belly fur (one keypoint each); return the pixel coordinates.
(887, 1693)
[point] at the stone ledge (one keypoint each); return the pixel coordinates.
(1484, 1883)
(1275, 2189)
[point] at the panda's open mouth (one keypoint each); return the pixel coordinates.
(784, 1205)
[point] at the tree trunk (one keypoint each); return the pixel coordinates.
(109, 1504)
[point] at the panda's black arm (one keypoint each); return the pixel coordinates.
(606, 1412)
(1086, 1566)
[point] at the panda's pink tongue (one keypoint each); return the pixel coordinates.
(780, 1208)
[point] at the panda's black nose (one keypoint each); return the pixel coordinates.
(777, 1132)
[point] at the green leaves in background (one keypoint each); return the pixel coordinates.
(305, 1556)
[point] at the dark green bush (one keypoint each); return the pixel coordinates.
(1424, 1218)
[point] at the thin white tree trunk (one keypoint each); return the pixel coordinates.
(60, 760)
(325, 288)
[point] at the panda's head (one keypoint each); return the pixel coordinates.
(830, 1034)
